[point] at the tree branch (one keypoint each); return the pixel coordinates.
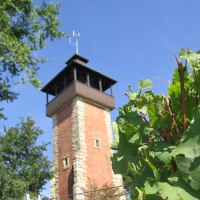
(172, 115)
(181, 70)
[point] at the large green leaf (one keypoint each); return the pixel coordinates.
(162, 151)
(156, 172)
(177, 180)
(167, 191)
(145, 84)
(196, 81)
(121, 162)
(158, 115)
(187, 155)
(115, 142)
(175, 96)
(190, 170)
(192, 58)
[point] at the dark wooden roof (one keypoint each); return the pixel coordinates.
(79, 63)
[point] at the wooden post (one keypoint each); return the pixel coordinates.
(75, 74)
(88, 80)
(100, 85)
(111, 91)
(47, 98)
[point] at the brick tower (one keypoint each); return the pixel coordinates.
(82, 135)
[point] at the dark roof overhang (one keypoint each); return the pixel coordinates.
(79, 63)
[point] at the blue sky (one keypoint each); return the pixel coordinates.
(126, 40)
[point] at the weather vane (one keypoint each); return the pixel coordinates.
(75, 36)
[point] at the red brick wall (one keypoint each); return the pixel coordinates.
(64, 124)
(99, 169)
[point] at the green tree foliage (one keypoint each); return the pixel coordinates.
(23, 167)
(157, 137)
(24, 28)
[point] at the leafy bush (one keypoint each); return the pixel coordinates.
(157, 137)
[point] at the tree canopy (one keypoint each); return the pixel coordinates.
(23, 166)
(157, 137)
(24, 28)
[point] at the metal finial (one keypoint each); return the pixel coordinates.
(74, 36)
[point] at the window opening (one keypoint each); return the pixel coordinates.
(97, 143)
(65, 162)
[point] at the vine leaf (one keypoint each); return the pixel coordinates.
(167, 191)
(158, 157)
(187, 155)
(145, 84)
